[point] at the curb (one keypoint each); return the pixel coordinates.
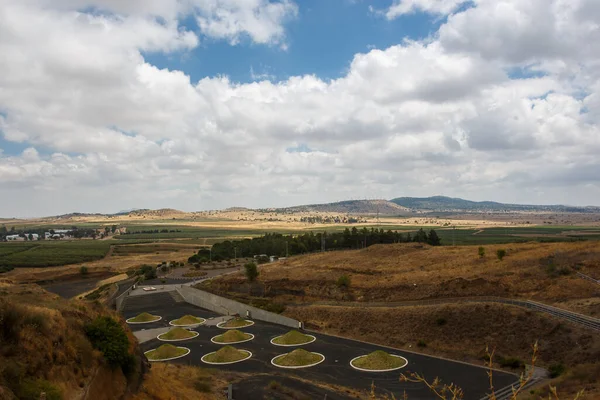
(378, 370)
(292, 345)
(168, 359)
(297, 366)
(241, 341)
(177, 340)
(145, 322)
(225, 363)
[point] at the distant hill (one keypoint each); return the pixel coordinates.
(383, 207)
(443, 203)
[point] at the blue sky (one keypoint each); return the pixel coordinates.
(322, 41)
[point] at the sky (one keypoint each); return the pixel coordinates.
(108, 105)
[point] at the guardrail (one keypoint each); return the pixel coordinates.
(589, 278)
(584, 320)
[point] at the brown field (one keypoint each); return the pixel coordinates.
(400, 272)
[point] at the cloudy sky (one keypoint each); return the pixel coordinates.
(107, 105)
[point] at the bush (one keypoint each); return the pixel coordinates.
(83, 270)
(108, 336)
(556, 370)
(441, 321)
(202, 385)
(251, 271)
(481, 252)
(273, 385)
(510, 362)
(343, 282)
(421, 343)
(500, 253)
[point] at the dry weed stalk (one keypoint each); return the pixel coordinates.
(452, 392)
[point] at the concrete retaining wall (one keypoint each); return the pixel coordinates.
(119, 300)
(225, 306)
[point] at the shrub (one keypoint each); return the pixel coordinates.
(251, 271)
(108, 336)
(500, 253)
(202, 386)
(510, 362)
(273, 385)
(481, 252)
(83, 270)
(556, 370)
(343, 282)
(441, 321)
(421, 343)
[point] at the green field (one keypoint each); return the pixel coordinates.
(51, 253)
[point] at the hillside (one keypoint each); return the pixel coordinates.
(449, 204)
(46, 345)
(382, 278)
(383, 207)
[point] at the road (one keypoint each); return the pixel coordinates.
(338, 352)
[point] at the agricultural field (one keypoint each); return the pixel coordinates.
(43, 253)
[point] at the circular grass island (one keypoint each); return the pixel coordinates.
(166, 352)
(378, 361)
(235, 323)
(143, 318)
(298, 358)
(177, 334)
(187, 320)
(226, 355)
(293, 338)
(232, 337)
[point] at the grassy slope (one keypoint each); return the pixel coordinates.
(42, 327)
(188, 320)
(177, 334)
(144, 317)
(379, 360)
(236, 323)
(297, 358)
(232, 336)
(226, 354)
(292, 337)
(165, 351)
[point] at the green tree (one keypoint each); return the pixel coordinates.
(251, 271)
(3, 229)
(500, 253)
(481, 251)
(433, 239)
(83, 270)
(108, 336)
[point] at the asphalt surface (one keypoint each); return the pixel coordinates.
(338, 353)
(69, 289)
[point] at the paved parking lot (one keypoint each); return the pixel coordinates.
(338, 352)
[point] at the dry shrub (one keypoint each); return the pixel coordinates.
(174, 382)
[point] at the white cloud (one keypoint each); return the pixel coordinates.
(106, 130)
(261, 20)
(403, 7)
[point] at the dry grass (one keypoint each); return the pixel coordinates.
(232, 336)
(227, 354)
(297, 358)
(292, 337)
(144, 317)
(167, 381)
(177, 334)
(379, 360)
(388, 273)
(42, 337)
(189, 320)
(165, 351)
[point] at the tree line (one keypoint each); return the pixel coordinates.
(274, 244)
